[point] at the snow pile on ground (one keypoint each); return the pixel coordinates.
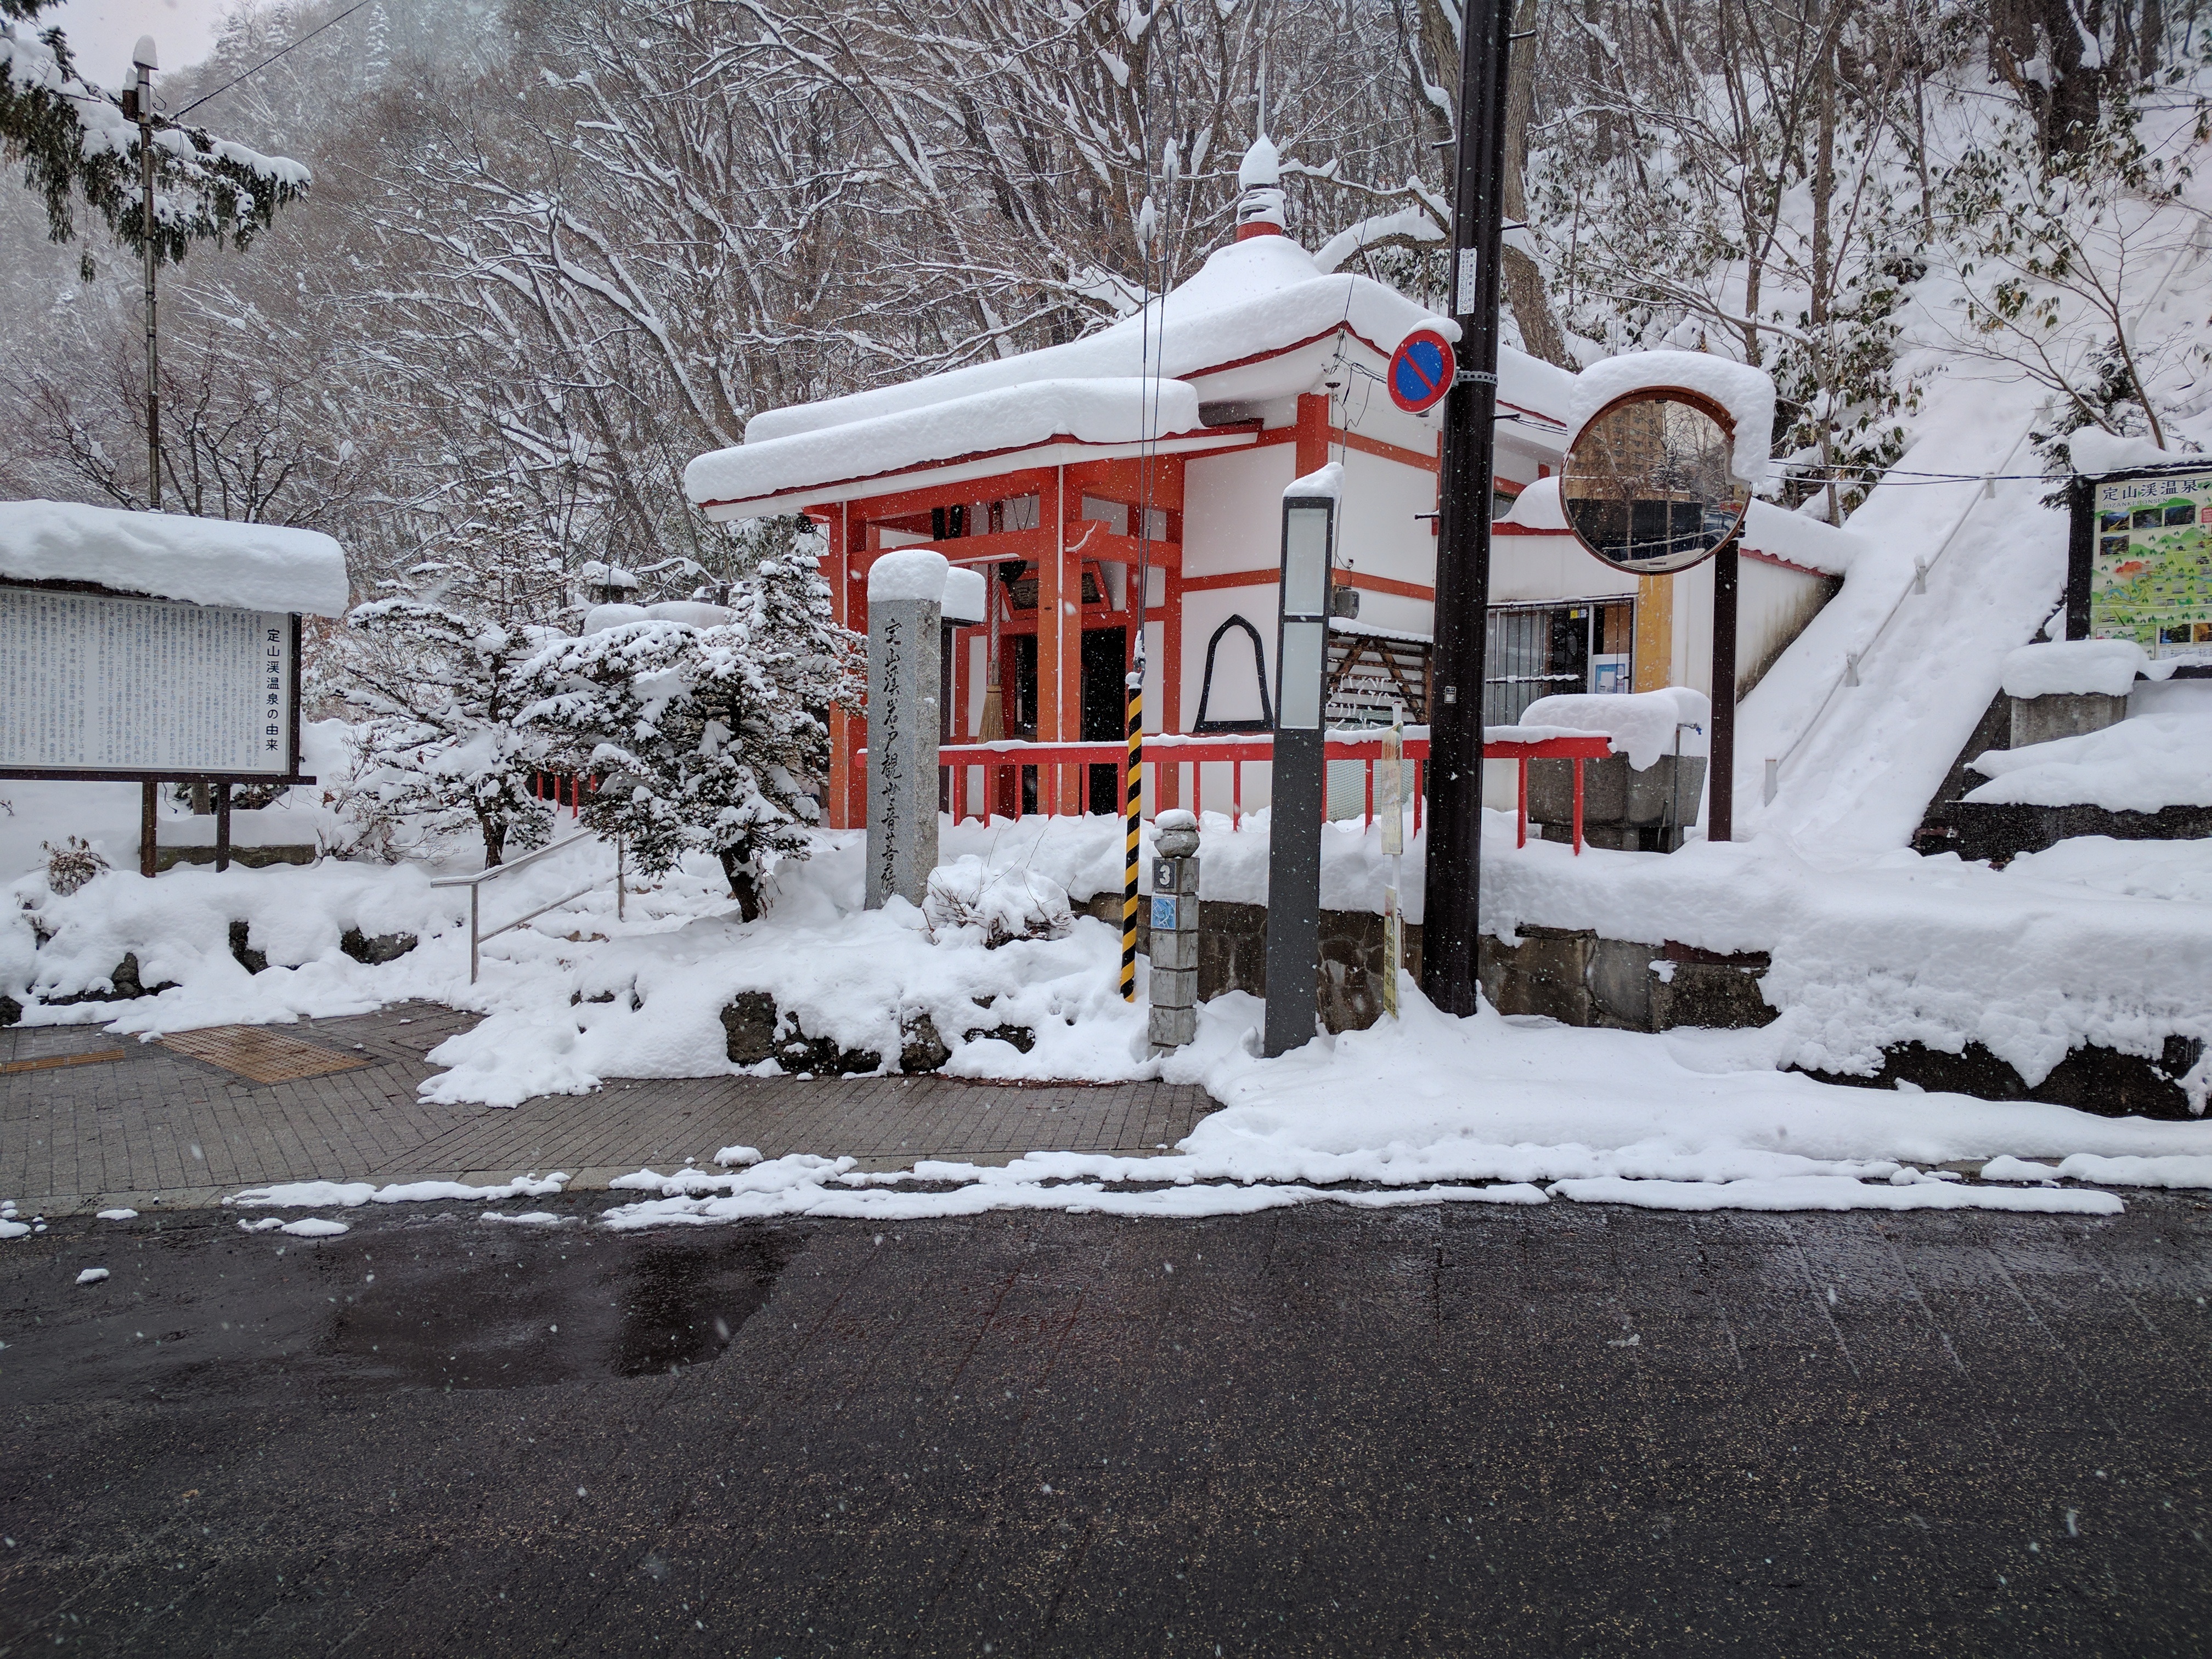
(2032, 961)
(1001, 905)
(2135, 766)
(311, 1227)
(2059, 949)
(179, 928)
(1489, 1109)
(106, 814)
(351, 1194)
(580, 995)
(254, 567)
(2126, 869)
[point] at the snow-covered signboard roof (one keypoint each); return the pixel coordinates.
(1232, 333)
(168, 555)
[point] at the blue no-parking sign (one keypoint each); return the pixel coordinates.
(1422, 370)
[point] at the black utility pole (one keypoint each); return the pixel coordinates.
(1453, 890)
(140, 108)
(1720, 742)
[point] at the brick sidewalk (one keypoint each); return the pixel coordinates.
(89, 1121)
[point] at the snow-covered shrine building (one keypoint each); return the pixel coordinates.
(1265, 364)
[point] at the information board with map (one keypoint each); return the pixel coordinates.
(2150, 566)
(99, 686)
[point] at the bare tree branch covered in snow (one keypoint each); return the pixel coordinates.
(557, 247)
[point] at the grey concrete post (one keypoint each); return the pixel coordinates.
(1173, 1020)
(1298, 778)
(905, 613)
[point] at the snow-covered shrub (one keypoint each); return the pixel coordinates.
(705, 739)
(1002, 905)
(72, 865)
(438, 677)
(441, 744)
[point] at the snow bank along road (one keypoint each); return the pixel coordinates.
(1457, 1429)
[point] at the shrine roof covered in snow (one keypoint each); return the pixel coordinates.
(171, 556)
(1238, 333)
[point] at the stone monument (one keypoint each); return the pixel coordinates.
(906, 594)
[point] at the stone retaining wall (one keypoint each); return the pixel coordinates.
(1578, 978)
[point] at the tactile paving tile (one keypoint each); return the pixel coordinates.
(261, 1055)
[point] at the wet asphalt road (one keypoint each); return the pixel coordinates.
(1439, 1431)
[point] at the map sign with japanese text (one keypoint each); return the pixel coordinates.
(98, 685)
(2150, 577)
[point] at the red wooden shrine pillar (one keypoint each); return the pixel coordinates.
(1313, 432)
(848, 603)
(1060, 681)
(1168, 775)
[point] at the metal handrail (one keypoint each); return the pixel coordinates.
(1917, 584)
(475, 884)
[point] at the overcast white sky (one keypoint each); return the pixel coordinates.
(102, 32)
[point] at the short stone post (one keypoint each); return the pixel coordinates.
(906, 593)
(1173, 1021)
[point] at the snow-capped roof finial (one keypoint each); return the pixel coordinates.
(1262, 164)
(1259, 180)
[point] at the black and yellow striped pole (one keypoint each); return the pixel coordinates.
(1133, 822)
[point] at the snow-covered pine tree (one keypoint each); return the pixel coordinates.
(706, 739)
(76, 143)
(439, 675)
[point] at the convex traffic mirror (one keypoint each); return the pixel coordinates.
(1648, 486)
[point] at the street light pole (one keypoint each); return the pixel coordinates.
(1449, 938)
(143, 58)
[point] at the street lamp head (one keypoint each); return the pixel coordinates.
(142, 55)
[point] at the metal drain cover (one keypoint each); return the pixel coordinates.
(261, 1055)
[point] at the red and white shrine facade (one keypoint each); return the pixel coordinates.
(1176, 429)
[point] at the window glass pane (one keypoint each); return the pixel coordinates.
(1305, 562)
(1298, 703)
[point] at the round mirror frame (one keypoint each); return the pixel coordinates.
(1653, 394)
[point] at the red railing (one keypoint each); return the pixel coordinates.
(1002, 766)
(563, 789)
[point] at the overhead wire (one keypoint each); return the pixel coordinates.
(280, 52)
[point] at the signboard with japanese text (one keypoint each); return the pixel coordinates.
(95, 685)
(2149, 575)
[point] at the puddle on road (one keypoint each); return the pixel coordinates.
(685, 1302)
(520, 1313)
(194, 1307)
